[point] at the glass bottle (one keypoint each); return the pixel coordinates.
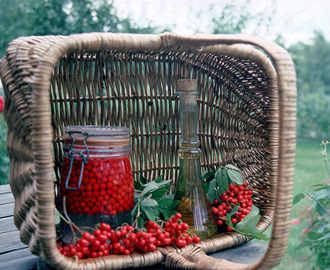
(96, 181)
(193, 203)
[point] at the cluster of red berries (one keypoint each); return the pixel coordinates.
(105, 241)
(107, 186)
(236, 195)
(174, 233)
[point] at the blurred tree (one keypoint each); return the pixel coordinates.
(235, 18)
(312, 65)
(312, 62)
(60, 17)
(230, 21)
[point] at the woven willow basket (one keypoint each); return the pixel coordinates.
(247, 117)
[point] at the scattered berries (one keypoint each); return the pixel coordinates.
(126, 239)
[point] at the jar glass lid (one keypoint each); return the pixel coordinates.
(97, 134)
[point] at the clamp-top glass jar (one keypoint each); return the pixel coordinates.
(97, 181)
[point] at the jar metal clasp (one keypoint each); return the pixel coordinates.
(73, 159)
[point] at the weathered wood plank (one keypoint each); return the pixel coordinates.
(10, 241)
(20, 259)
(6, 198)
(6, 210)
(7, 225)
(5, 189)
(247, 253)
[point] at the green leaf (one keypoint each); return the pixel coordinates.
(318, 187)
(159, 179)
(319, 208)
(137, 185)
(298, 197)
(254, 211)
(149, 212)
(228, 221)
(257, 235)
(164, 183)
(242, 225)
(206, 188)
(163, 203)
(314, 236)
(149, 202)
(326, 236)
(322, 227)
(320, 194)
(232, 167)
(136, 194)
(134, 211)
(140, 222)
(222, 179)
(143, 180)
(207, 174)
(156, 211)
(151, 186)
(233, 210)
(174, 204)
(249, 225)
(328, 193)
(303, 245)
(168, 196)
(159, 193)
(235, 177)
(169, 211)
(212, 193)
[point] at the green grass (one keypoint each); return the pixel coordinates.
(309, 169)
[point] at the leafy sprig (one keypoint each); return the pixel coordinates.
(216, 183)
(152, 201)
(247, 226)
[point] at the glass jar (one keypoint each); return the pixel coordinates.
(96, 181)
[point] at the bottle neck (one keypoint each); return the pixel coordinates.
(189, 144)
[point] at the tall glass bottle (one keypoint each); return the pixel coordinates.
(193, 204)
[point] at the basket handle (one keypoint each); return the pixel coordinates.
(196, 258)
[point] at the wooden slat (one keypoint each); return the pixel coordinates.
(19, 259)
(10, 241)
(7, 225)
(6, 198)
(5, 189)
(6, 210)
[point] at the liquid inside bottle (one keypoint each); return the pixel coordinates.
(193, 203)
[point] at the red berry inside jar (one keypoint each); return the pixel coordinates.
(97, 181)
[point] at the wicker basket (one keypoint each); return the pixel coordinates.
(247, 117)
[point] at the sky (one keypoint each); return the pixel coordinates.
(295, 20)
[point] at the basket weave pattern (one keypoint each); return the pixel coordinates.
(247, 114)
